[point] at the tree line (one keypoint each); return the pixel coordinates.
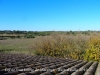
(5, 34)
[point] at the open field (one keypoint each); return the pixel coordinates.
(55, 54)
(79, 46)
(21, 64)
(16, 45)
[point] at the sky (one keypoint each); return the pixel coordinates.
(50, 15)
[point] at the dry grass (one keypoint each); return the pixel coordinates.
(16, 45)
(80, 46)
(61, 45)
(84, 47)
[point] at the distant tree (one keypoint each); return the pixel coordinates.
(29, 36)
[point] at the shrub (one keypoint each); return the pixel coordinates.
(29, 36)
(93, 49)
(60, 45)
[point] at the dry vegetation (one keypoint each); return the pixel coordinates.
(79, 46)
(16, 45)
(84, 47)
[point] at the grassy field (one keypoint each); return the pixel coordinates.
(16, 45)
(80, 46)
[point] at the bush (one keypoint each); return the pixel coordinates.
(81, 47)
(3, 38)
(29, 36)
(93, 49)
(58, 45)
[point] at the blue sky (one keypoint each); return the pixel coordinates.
(48, 15)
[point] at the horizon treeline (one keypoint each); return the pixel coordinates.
(5, 34)
(35, 32)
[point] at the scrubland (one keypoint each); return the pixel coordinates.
(79, 46)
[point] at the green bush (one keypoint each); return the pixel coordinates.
(29, 36)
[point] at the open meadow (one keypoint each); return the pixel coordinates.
(16, 45)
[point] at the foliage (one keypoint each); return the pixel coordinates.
(29, 36)
(93, 50)
(82, 45)
(58, 45)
